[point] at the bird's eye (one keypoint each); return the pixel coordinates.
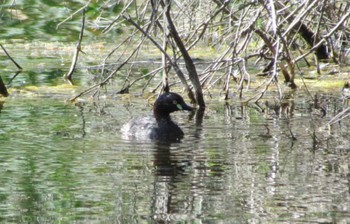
(174, 102)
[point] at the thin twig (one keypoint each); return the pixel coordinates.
(103, 82)
(73, 14)
(105, 30)
(325, 37)
(110, 76)
(343, 114)
(173, 64)
(8, 55)
(69, 75)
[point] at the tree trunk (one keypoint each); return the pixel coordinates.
(307, 34)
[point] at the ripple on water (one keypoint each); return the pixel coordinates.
(67, 163)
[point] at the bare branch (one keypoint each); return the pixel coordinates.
(73, 14)
(69, 75)
(173, 64)
(8, 55)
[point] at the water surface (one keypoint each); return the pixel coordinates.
(66, 163)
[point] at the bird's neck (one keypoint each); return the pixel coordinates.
(161, 116)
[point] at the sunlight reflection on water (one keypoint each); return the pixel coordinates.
(239, 165)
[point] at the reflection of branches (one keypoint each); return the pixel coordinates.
(81, 111)
(13, 77)
(1, 105)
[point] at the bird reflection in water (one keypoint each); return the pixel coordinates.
(172, 180)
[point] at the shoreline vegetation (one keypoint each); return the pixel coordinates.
(237, 48)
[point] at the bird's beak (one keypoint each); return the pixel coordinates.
(184, 107)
